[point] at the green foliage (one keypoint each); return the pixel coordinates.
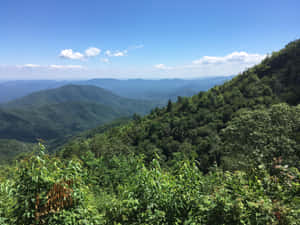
(256, 137)
(6, 200)
(226, 156)
(185, 196)
(58, 114)
(51, 113)
(10, 149)
(47, 191)
(193, 127)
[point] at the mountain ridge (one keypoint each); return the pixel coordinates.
(71, 93)
(193, 127)
(130, 88)
(51, 114)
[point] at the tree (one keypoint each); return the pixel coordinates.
(169, 106)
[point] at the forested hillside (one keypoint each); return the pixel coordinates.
(57, 114)
(226, 156)
(198, 127)
(10, 149)
(80, 93)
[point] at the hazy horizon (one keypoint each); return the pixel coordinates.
(121, 79)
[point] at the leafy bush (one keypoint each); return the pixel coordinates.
(155, 196)
(47, 191)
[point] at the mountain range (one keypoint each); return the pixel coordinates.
(158, 90)
(229, 155)
(214, 127)
(64, 111)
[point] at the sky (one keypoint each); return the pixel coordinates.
(150, 39)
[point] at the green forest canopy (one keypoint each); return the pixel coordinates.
(226, 156)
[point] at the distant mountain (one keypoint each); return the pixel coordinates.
(81, 93)
(157, 89)
(133, 88)
(253, 119)
(10, 90)
(52, 114)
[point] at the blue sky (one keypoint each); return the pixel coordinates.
(81, 39)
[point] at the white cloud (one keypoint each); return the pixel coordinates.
(30, 66)
(105, 60)
(108, 53)
(159, 66)
(117, 53)
(162, 67)
(43, 67)
(207, 66)
(230, 64)
(235, 57)
(69, 54)
(92, 51)
(66, 67)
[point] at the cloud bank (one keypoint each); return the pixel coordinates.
(29, 66)
(235, 57)
(206, 66)
(117, 53)
(66, 67)
(69, 54)
(92, 52)
(230, 64)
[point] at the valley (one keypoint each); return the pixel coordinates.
(149, 112)
(232, 150)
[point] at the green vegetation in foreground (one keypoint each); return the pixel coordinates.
(226, 156)
(122, 190)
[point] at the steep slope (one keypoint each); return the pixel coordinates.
(53, 121)
(194, 127)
